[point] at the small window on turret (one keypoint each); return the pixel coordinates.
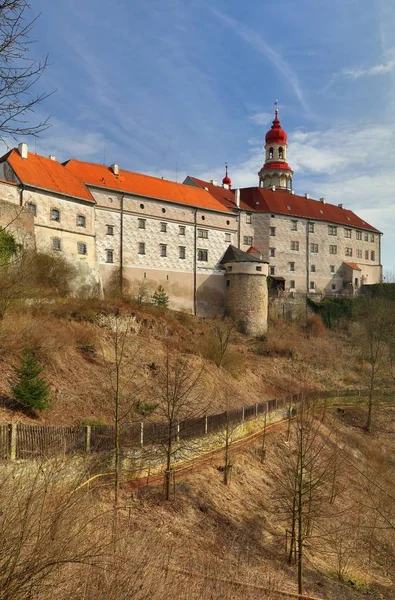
(271, 153)
(259, 268)
(280, 153)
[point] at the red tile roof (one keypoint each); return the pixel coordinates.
(143, 185)
(41, 172)
(353, 266)
(225, 196)
(285, 203)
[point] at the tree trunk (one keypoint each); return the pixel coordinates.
(169, 452)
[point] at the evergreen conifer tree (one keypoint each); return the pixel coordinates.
(28, 387)
(160, 297)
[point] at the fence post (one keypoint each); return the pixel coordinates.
(256, 409)
(178, 432)
(88, 436)
(205, 425)
(141, 434)
(13, 440)
(242, 416)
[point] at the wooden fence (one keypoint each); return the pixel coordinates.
(18, 441)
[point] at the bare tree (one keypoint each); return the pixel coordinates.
(374, 335)
(19, 72)
(178, 396)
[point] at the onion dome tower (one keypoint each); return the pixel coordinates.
(227, 182)
(276, 172)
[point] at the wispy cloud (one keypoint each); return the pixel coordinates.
(261, 118)
(260, 45)
(380, 69)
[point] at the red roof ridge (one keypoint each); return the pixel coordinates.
(140, 184)
(47, 174)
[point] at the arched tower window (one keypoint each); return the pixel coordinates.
(280, 152)
(271, 153)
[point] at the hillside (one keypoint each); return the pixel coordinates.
(74, 340)
(211, 540)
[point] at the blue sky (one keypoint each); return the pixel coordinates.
(177, 87)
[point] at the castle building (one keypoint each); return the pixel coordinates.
(148, 231)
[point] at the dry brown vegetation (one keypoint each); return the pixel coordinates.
(213, 541)
(73, 341)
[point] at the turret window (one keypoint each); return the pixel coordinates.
(280, 153)
(271, 153)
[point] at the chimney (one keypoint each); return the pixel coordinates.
(307, 196)
(340, 206)
(52, 157)
(115, 169)
(22, 149)
(273, 188)
(322, 200)
(213, 182)
(237, 198)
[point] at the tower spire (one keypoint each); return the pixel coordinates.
(276, 173)
(227, 180)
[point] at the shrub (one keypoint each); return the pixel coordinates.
(332, 310)
(315, 326)
(160, 298)
(8, 246)
(145, 408)
(29, 388)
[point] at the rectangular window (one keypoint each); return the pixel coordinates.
(333, 286)
(366, 236)
(294, 226)
(109, 256)
(314, 248)
(248, 218)
(312, 285)
(141, 223)
(272, 252)
(372, 255)
(311, 227)
(181, 252)
(202, 233)
(110, 229)
(141, 248)
(31, 207)
(292, 266)
(366, 254)
(272, 231)
(272, 270)
(163, 227)
(359, 235)
(56, 244)
(332, 230)
(312, 268)
(55, 215)
(372, 238)
(81, 221)
(332, 249)
(258, 268)
(348, 251)
(202, 255)
(347, 233)
(163, 249)
(247, 240)
(82, 248)
(292, 284)
(181, 229)
(359, 253)
(295, 246)
(228, 237)
(332, 268)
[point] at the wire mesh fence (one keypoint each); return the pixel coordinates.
(19, 441)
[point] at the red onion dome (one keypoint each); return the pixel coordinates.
(227, 180)
(276, 135)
